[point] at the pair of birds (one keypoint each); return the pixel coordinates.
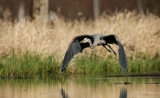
(83, 41)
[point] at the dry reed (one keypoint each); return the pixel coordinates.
(137, 33)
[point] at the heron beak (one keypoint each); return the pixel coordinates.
(82, 41)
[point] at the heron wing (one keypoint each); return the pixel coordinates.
(110, 39)
(74, 48)
(121, 53)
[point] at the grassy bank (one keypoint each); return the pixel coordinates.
(31, 65)
(94, 64)
(28, 65)
(140, 36)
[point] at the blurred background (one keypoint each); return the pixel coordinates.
(73, 9)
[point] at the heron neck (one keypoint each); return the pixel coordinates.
(91, 45)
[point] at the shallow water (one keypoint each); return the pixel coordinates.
(81, 87)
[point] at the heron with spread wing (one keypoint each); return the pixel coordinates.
(83, 41)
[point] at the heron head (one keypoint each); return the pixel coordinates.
(85, 40)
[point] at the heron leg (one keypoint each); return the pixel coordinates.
(112, 50)
(106, 48)
(109, 49)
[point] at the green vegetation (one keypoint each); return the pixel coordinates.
(144, 64)
(95, 64)
(27, 65)
(31, 65)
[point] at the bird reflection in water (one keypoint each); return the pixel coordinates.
(63, 94)
(123, 93)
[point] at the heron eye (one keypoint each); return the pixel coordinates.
(86, 39)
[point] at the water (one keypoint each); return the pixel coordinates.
(81, 87)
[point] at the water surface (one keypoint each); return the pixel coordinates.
(81, 87)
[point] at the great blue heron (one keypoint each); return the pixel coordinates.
(83, 41)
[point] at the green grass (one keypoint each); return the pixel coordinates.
(30, 65)
(27, 65)
(144, 64)
(94, 64)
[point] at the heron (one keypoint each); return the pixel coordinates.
(79, 43)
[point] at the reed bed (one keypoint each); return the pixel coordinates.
(138, 33)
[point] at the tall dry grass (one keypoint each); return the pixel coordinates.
(137, 33)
